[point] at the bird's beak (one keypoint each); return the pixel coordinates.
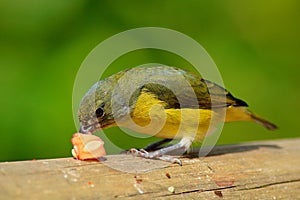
(89, 129)
(85, 130)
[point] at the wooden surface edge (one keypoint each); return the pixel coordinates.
(261, 170)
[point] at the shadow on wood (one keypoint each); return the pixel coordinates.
(229, 149)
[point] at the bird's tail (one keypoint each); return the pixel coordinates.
(263, 122)
(242, 114)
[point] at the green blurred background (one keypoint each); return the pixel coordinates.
(255, 45)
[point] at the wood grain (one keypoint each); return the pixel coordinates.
(261, 170)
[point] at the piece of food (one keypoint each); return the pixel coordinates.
(87, 147)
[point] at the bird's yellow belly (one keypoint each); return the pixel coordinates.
(172, 123)
(150, 117)
(177, 123)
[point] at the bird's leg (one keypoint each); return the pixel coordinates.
(183, 145)
(156, 145)
(152, 147)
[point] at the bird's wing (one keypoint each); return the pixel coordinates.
(198, 93)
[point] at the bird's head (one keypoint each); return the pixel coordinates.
(104, 104)
(95, 111)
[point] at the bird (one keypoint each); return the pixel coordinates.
(165, 102)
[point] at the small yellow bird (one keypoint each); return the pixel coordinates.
(162, 101)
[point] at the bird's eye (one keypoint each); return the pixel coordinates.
(99, 112)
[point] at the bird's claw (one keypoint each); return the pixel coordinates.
(154, 155)
(140, 153)
(170, 159)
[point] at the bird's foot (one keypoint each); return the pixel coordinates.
(154, 155)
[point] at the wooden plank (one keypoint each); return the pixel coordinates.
(261, 170)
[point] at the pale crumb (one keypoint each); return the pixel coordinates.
(171, 189)
(139, 189)
(73, 153)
